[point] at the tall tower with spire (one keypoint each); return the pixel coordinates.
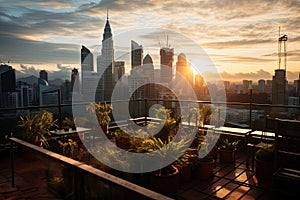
(105, 65)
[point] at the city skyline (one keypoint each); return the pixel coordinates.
(242, 44)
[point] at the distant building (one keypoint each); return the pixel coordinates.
(136, 54)
(44, 75)
(269, 87)
(7, 85)
(200, 88)
(261, 86)
(105, 66)
(297, 86)
(247, 84)
(66, 88)
(74, 80)
(166, 64)
(184, 69)
(25, 94)
(87, 59)
(279, 87)
(87, 68)
(119, 69)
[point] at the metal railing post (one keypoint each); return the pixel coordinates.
(59, 107)
(250, 110)
(12, 164)
(145, 110)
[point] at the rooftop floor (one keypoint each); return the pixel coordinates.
(231, 181)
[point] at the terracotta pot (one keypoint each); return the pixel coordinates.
(263, 169)
(167, 185)
(205, 169)
(227, 156)
(104, 128)
(185, 173)
(123, 143)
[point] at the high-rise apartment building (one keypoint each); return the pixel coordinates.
(44, 75)
(261, 86)
(75, 80)
(184, 69)
(136, 54)
(87, 59)
(166, 64)
(279, 87)
(7, 85)
(119, 69)
(105, 66)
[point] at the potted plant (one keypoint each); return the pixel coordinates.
(102, 111)
(227, 151)
(68, 123)
(170, 124)
(184, 163)
(122, 139)
(264, 158)
(166, 179)
(203, 167)
(37, 128)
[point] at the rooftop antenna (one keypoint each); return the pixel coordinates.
(282, 39)
(106, 13)
(158, 41)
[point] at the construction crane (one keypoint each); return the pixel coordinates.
(282, 39)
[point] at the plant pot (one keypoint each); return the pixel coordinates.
(166, 184)
(227, 156)
(185, 173)
(263, 169)
(205, 169)
(123, 143)
(104, 127)
(214, 153)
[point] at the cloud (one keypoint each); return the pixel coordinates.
(236, 43)
(28, 51)
(49, 31)
(62, 72)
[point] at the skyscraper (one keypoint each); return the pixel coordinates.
(184, 69)
(119, 69)
(261, 86)
(74, 82)
(105, 66)
(278, 87)
(7, 85)
(166, 64)
(136, 54)
(87, 59)
(44, 75)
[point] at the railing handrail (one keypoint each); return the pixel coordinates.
(93, 171)
(164, 100)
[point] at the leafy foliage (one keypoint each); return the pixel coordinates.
(266, 153)
(102, 111)
(168, 148)
(37, 128)
(227, 145)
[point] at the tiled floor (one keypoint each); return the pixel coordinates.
(30, 180)
(230, 182)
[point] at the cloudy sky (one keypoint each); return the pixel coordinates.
(240, 36)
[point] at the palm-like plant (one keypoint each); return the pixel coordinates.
(165, 149)
(227, 145)
(102, 111)
(37, 128)
(170, 123)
